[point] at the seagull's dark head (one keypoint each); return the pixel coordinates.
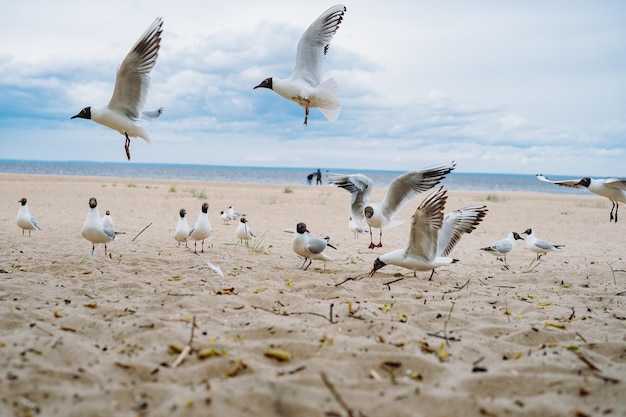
(369, 212)
(108, 213)
(585, 182)
(83, 114)
(301, 228)
(182, 213)
(527, 232)
(93, 203)
(243, 220)
(266, 83)
(377, 265)
(22, 201)
(517, 237)
(205, 207)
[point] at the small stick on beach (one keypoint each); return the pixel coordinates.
(142, 230)
(187, 350)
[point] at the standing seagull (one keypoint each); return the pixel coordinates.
(94, 229)
(234, 213)
(181, 234)
(243, 232)
(310, 247)
(305, 85)
(612, 188)
(402, 189)
(356, 229)
(124, 111)
(502, 247)
(432, 236)
(108, 219)
(227, 218)
(201, 229)
(540, 247)
(24, 220)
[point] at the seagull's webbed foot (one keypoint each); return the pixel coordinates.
(380, 245)
(372, 246)
(127, 146)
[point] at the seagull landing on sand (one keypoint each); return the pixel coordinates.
(181, 234)
(124, 112)
(310, 247)
(502, 247)
(201, 229)
(24, 220)
(432, 236)
(243, 232)
(305, 85)
(402, 189)
(540, 247)
(94, 229)
(612, 188)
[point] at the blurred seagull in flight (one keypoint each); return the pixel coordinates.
(310, 247)
(181, 234)
(502, 247)
(433, 236)
(24, 219)
(305, 85)
(612, 188)
(201, 229)
(124, 112)
(94, 229)
(539, 246)
(402, 189)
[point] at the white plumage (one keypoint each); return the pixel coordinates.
(24, 219)
(94, 229)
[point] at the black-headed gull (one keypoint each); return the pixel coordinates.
(243, 232)
(234, 213)
(355, 228)
(226, 218)
(432, 237)
(612, 188)
(124, 112)
(94, 229)
(201, 229)
(402, 189)
(305, 85)
(24, 219)
(539, 246)
(108, 219)
(502, 247)
(181, 234)
(311, 248)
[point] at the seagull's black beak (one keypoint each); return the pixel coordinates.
(377, 265)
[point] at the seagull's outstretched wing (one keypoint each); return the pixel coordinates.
(314, 44)
(425, 225)
(565, 183)
(455, 224)
(360, 188)
(133, 76)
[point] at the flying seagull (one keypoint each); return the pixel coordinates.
(305, 85)
(402, 189)
(612, 188)
(124, 112)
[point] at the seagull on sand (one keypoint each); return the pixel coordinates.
(305, 85)
(432, 237)
(310, 247)
(227, 218)
(612, 188)
(124, 112)
(108, 219)
(243, 232)
(402, 189)
(234, 213)
(540, 247)
(181, 234)
(502, 247)
(94, 229)
(24, 220)
(201, 229)
(356, 229)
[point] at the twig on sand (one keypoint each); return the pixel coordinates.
(445, 325)
(284, 313)
(338, 398)
(142, 230)
(187, 350)
(460, 288)
(388, 283)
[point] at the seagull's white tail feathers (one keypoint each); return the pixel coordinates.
(328, 100)
(140, 132)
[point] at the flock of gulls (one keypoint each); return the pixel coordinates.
(432, 234)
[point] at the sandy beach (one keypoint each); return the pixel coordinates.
(85, 335)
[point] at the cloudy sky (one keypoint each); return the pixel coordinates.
(500, 87)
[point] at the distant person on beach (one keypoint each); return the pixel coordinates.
(319, 177)
(309, 178)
